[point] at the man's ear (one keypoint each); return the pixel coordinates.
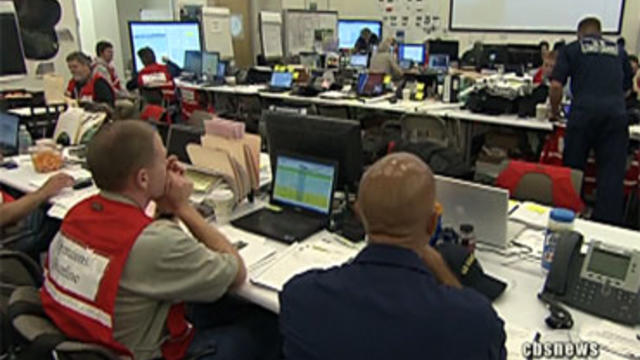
(142, 179)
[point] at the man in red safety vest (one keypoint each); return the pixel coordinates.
(116, 277)
(86, 85)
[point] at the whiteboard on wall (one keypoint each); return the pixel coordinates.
(271, 34)
(533, 16)
(216, 28)
(300, 27)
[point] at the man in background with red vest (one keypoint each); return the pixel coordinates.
(117, 277)
(86, 85)
(154, 75)
(103, 65)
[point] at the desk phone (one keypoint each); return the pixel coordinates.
(604, 282)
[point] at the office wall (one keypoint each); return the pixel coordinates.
(370, 9)
(97, 21)
(68, 21)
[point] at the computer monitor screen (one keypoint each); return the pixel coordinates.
(450, 48)
(359, 60)
(179, 137)
(370, 84)
(439, 62)
(281, 79)
(11, 53)
(210, 61)
(193, 62)
(349, 31)
(412, 52)
(303, 183)
(165, 38)
(222, 68)
(9, 130)
(319, 137)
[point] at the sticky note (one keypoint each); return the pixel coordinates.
(419, 95)
(539, 209)
(420, 86)
(387, 79)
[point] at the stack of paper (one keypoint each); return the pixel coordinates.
(299, 258)
(224, 128)
(252, 248)
(617, 339)
(531, 214)
(236, 160)
(76, 174)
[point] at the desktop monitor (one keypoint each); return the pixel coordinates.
(281, 80)
(450, 48)
(222, 68)
(210, 62)
(12, 62)
(412, 52)
(349, 31)
(524, 55)
(320, 137)
(9, 125)
(193, 62)
(359, 61)
(494, 54)
(179, 137)
(167, 38)
(439, 62)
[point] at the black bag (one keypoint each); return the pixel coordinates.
(482, 102)
(442, 160)
(375, 141)
(527, 105)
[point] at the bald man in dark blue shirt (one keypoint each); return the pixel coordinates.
(397, 299)
(600, 78)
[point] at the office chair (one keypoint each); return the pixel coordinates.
(417, 128)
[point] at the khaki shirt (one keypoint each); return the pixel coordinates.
(165, 266)
(385, 63)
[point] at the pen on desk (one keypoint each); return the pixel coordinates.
(514, 209)
(536, 339)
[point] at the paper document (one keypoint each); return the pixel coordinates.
(67, 199)
(533, 239)
(76, 174)
(516, 336)
(531, 214)
(299, 258)
(252, 248)
(614, 338)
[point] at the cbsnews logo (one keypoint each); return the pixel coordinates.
(560, 350)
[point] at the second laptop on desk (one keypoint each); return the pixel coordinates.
(301, 199)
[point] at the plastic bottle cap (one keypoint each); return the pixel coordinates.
(23, 127)
(562, 215)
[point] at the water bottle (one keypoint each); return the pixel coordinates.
(560, 221)
(24, 140)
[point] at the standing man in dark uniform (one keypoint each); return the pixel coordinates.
(600, 77)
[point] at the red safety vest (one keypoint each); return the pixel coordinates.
(115, 80)
(564, 195)
(83, 270)
(86, 93)
(168, 90)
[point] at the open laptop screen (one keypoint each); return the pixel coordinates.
(359, 60)
(9, 130)
(304, 183)
(281, 79)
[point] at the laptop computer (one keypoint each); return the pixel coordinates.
(9, 127)
(359, 61)
(484, 207)
(370, 85)
(280, 82)
(303, 193)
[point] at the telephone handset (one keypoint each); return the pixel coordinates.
(605, 282)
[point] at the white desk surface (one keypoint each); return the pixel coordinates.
(26, 111)
(506, 120)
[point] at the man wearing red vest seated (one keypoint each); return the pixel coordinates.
(117, 277)
(85, 85)
(155, 75)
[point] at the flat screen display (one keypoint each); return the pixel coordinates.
(169, 38)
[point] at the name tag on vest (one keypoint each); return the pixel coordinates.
(154, 78)
(76, 268)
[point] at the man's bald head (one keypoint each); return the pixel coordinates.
(396, 199)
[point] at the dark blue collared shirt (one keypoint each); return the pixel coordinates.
(386, 305)
(600, 74)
